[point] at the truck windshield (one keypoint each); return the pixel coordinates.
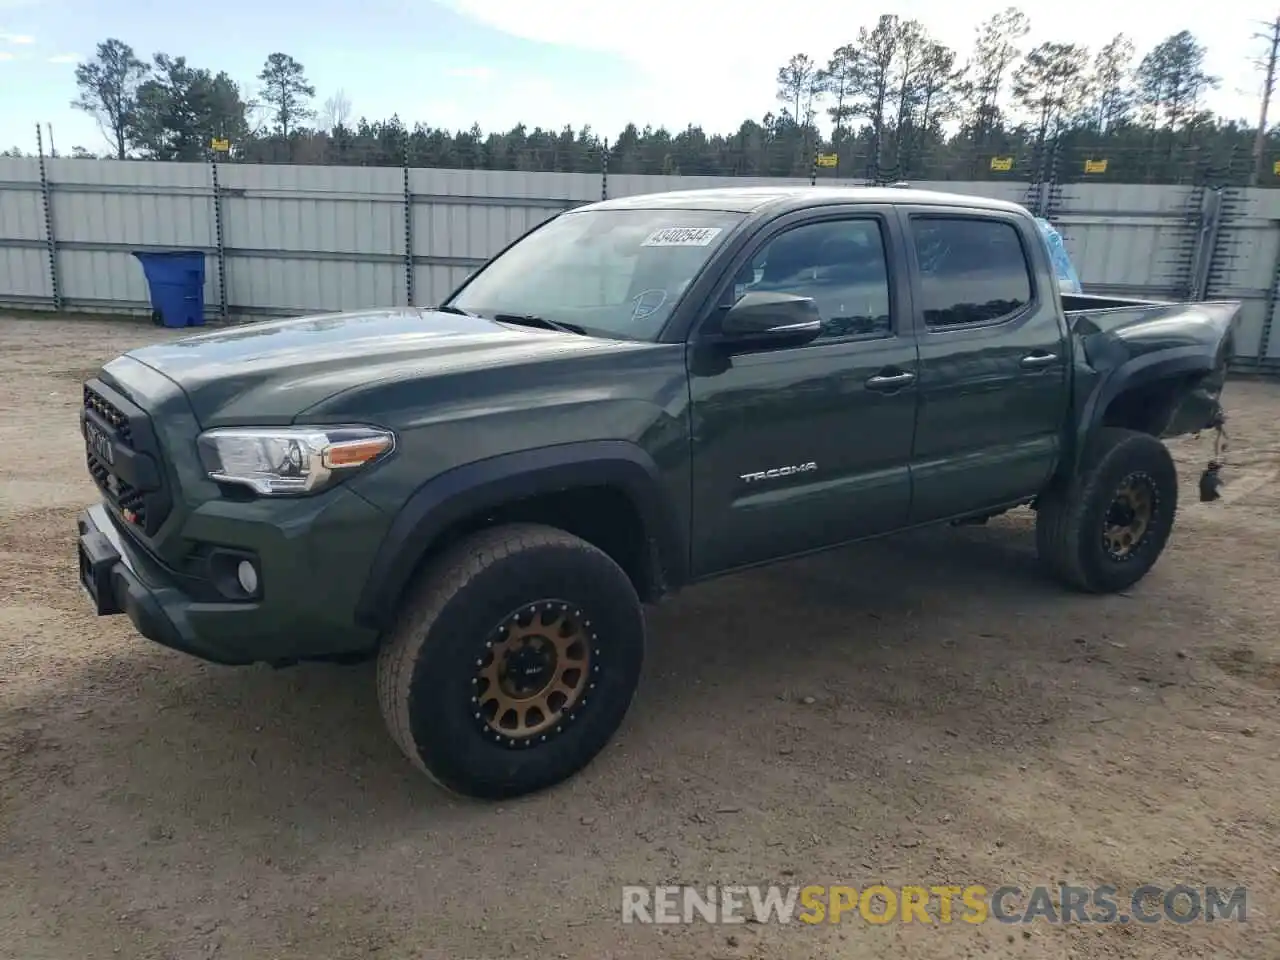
(610, 273)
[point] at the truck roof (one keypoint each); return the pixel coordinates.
(755, 199)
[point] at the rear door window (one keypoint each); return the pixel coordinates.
(972, 270)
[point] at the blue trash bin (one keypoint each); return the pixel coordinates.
(176, 282)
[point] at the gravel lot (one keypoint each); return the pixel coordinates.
(926, 710)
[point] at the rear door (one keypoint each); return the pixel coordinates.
(993, 361)
(799, 448)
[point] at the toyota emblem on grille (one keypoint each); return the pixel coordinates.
(100, 445)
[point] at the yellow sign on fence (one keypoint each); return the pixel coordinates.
(222, 146)
(1002, 163)
(1275, 168)
(1095, 166)
(827, 160)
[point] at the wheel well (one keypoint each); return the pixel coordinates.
(604, 516)
(1148, 408)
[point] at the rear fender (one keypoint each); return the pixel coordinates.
(1167, 361)
(486, 485)
(1195, 383)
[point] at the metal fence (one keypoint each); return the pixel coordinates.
(285, 240)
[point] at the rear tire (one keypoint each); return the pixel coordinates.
(499, 620)
(1104, 529)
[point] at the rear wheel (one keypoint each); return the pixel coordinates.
(1106, 528)
(513, 662)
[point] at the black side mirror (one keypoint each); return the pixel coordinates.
(761, 319)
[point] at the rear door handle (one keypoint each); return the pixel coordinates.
(890, 381)
(1039, 359)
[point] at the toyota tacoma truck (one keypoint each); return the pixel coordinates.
(635, 396)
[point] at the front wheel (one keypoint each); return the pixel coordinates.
(1106, 528)
(513, 661)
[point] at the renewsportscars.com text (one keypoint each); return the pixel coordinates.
(972, 904)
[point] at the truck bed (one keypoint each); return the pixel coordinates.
(1113, 333)
(1086, 302)
(1150, 324)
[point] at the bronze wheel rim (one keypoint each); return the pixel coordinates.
(534, 673)
(1129, 517)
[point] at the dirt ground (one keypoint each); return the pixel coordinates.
(926, 710)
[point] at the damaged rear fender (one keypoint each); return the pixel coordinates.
(1157, 369)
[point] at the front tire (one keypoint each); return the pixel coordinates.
(1105, 529)
(513, 661)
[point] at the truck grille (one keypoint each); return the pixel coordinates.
(132, 502)
(129, 473)
(111, 413)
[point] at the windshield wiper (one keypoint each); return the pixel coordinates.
(530, 320)
(450, 308)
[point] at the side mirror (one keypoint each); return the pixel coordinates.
(770, 320)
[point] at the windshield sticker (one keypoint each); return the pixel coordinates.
(681, 237)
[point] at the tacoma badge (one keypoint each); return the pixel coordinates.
(777, 472)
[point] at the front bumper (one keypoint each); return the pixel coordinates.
(120, 577)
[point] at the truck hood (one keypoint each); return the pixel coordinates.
(267, 373)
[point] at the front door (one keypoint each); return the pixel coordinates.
(800, 448)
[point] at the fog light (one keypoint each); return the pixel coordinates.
(248, 577)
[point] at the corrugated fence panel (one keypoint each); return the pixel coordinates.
(1266, 205)
(104, 210)
(1012, 191)
(24, 259)
(1251, 245)
(634, 184)
(1127, 239)
(302, 239)
(463, 217)
(305, 239)
(1273, 340)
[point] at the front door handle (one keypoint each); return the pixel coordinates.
(1038, 359)
(890, 381)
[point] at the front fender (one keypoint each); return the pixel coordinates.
(474, 488)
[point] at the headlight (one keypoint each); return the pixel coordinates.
(276, 461)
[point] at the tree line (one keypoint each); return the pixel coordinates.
(893, 103)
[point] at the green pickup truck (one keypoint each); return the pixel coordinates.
(635, 396)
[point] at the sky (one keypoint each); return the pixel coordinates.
(451, 63)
